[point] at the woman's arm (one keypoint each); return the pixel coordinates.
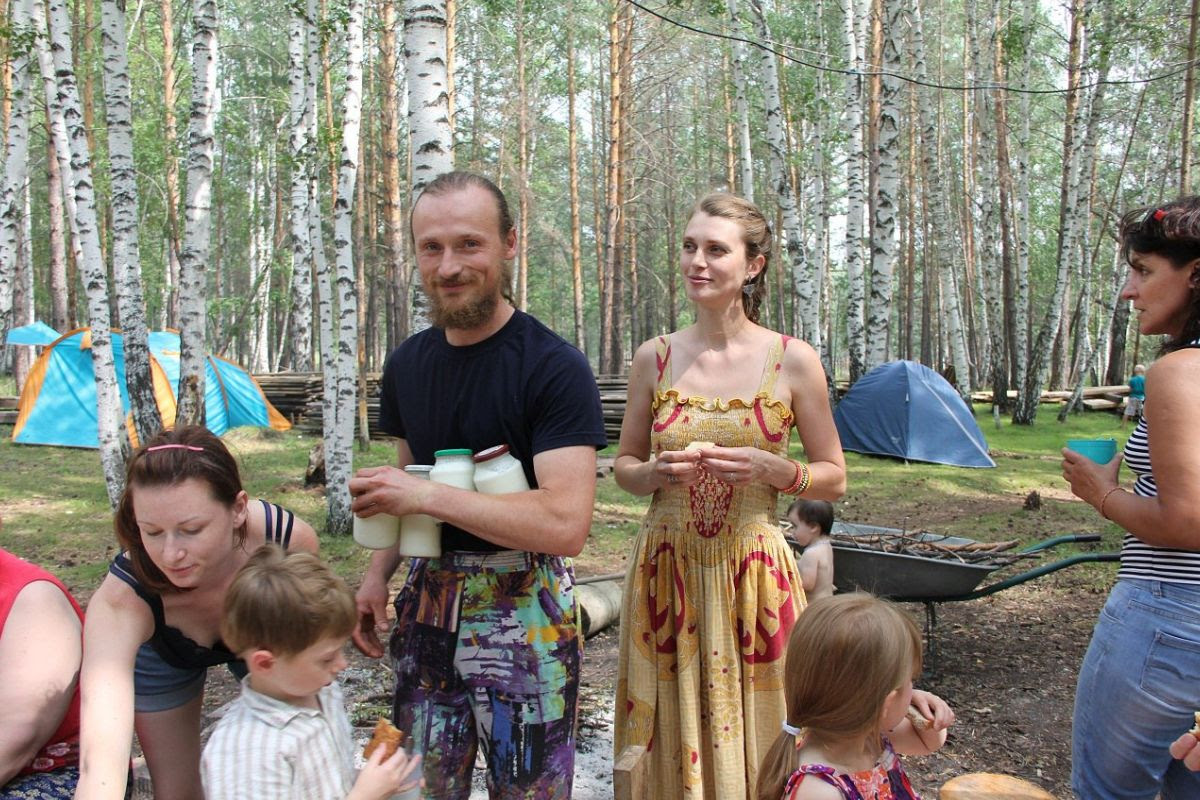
(814, 421)
(1172, 519)
(40, 651)
(117, 623)
(634, 469)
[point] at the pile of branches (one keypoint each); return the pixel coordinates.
(927, 545)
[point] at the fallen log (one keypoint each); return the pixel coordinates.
(599, 606)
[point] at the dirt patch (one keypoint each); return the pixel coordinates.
(1007, 664)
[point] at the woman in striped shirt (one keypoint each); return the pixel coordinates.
(1140, 680)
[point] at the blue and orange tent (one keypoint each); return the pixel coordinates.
(58, 401)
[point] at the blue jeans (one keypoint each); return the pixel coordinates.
(1138, 687)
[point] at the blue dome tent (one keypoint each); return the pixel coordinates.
(58, 400)
(905, 409)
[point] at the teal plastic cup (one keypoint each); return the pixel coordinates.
(1099, 450)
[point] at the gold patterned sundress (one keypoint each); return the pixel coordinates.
(710, 598)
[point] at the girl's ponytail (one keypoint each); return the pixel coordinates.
(777, 766)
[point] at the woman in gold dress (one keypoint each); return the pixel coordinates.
(712, 589)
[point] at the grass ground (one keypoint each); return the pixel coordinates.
(54, 509)
(1006, 663)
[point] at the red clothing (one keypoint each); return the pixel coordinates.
(62, 749)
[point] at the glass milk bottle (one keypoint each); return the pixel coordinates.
(454, 467)
(498, 472)
(377, 532)
(420, 534)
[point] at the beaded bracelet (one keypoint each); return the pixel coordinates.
(802, 482)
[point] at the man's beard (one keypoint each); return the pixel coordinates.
(472, 314)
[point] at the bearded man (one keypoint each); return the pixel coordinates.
(485, 647)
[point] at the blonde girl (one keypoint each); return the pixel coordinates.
(851, 661)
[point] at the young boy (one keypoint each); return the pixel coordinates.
(289, 617)
(811, 522)
(1137, 395)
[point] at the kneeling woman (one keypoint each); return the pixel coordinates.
(152, 630)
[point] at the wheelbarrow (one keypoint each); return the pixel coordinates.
(905, 577)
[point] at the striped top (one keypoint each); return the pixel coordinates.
(1138, 559)
(267, 749)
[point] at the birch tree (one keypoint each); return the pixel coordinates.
(1025, 409)
(56, 55)
(431, 143)
(1083, 193)
(339, 347)
(804, 278)
(1021, 204)
(741, 104)
(300, 149)
(171, 163)
(983, 42)
(936, 189)
(428, 91)
(16, 159)
(194, 261)
(884, 243)
(855, 194)
(126, 259)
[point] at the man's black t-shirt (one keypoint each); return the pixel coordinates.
(524, 386)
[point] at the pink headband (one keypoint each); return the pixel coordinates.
(193, 448)
(1158, 214)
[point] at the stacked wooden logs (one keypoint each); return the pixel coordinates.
(298, 396)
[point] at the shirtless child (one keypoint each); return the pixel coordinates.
(811, 521)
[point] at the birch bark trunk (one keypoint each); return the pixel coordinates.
(126, 255)
(806, 280)
(16, 161)
(939, 213)
(986, 190)
(741, 103)
(883, 236)
(1025, 410)
(194, 261)
(855, 194)
(300, 149)
(66, 105)
(431, 144)
(338, 419)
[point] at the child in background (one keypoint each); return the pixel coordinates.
(1137, 395)
(851, 661)
(811, 522)
(289, 617)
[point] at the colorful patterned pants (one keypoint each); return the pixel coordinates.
(486, 651)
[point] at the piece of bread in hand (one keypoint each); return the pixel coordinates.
(699, 445)
(918, 720)
(1195, 731)
(385, 735)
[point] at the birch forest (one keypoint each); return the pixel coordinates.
(944, 176)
